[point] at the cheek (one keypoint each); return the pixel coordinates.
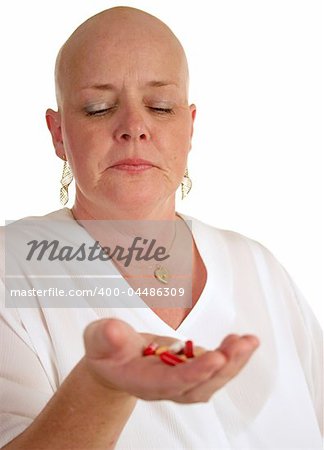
(77, 137)
(177, 133)
(84, 141)
(175, 151)
(82, 151)
(179, 142)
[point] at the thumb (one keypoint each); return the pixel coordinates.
(106, 338)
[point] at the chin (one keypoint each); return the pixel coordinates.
(135, 198)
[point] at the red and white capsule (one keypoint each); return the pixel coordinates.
(170, 358)
(150, 349)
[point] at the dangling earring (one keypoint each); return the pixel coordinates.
(186, 184)
(66, 180)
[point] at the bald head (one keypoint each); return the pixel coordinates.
(122, 36)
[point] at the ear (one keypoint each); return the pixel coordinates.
(53, 120)
(193, 111)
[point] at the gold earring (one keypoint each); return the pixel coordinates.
(186, 184)
(66, 180)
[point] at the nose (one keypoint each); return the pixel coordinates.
(131, 126)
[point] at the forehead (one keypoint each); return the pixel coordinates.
(124, 58)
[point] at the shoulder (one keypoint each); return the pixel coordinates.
(234, 241)
(249, 259)
(32, 224)
(59, 214)
(248, 255)
(16, 232)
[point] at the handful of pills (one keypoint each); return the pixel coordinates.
(174, 354)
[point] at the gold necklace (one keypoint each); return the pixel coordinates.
(161, 273)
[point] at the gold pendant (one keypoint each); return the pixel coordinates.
(161, 274)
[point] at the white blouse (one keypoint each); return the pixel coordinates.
(275, 402)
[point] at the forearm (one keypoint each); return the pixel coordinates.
(82, 414)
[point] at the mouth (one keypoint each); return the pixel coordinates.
(133, 165)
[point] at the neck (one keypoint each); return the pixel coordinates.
(156, 229)
(84, 210)
(118, 227)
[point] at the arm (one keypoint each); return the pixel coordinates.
(92, 406)
(83, 414)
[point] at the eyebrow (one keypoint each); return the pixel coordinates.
(111, 87)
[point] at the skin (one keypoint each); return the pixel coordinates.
(102, 389)
(130, 54)
(129, 49)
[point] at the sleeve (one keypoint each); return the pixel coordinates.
(308, 337)
(24, 387)
(306, 330)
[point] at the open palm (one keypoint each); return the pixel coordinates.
(114, 356)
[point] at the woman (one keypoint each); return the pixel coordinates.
(124, 126)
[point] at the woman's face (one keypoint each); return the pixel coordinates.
(126, 99)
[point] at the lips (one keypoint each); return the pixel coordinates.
(133, 165)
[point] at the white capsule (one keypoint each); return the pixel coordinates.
(177, 346)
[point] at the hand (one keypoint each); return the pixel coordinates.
(114, 357)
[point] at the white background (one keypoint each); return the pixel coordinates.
(256, 162)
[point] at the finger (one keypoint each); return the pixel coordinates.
(235, 345)
(228, 339)
(204, 367)
(107, 338)
(195, 371)
(239, 353)
(183, 377)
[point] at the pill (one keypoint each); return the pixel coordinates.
(150, 349)
(177, 347)
(170, 359)
(188, 350)
(162, 349)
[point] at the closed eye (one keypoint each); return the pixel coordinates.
(162, 110)
(104, 111)
(99, 112)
